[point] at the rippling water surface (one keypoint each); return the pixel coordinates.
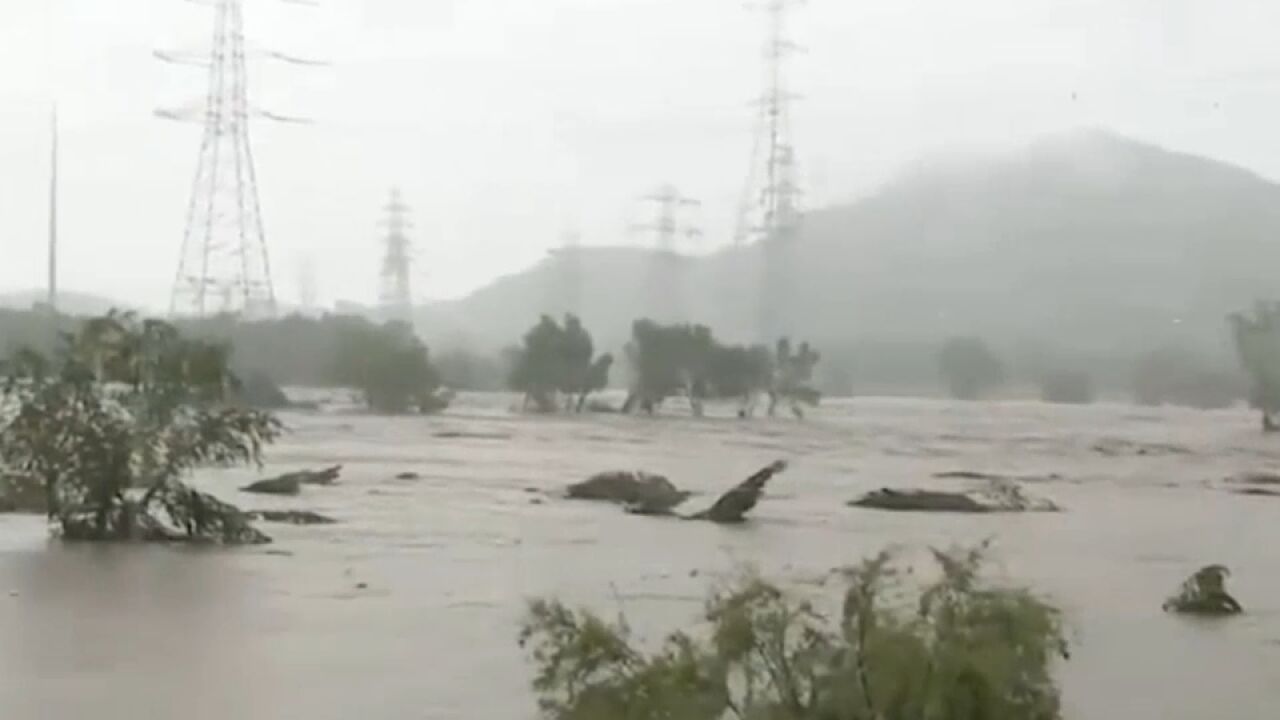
(447, 560)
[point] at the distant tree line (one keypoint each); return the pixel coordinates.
(685, 361)
(387, 363)
(556, 368)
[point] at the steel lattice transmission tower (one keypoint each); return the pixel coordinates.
(670, 223)
(224, 265)
(770, 210)
(396, 297)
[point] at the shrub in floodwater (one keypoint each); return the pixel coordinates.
(113, 422)
(390, 366)
(960, 648)
(969, 367)
(1257, 337)
(687, 360)
(556, 361)
(1067, 388)
(1204, 593)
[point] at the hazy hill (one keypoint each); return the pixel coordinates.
(1087, 242)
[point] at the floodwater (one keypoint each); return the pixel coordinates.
(410, 607)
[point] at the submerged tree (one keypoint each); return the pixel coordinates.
(667, 361)
(390, 366)
(113, 422)
(793, 376)
(687, 360)
(969, 367)
(960, 649)
(1257, 337)
(1067, 387)
(556, 366)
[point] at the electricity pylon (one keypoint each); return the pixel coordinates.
(396, 297)
(770, 211)
(224, 265)
(666, 281)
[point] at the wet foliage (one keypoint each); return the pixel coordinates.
(1257, 338)
(957, 648)
(687, 361)
(969, 368)
(1205, 593)
(1178, 376)
(1067, 388)
(116, 418)
(556, 366)
(390, 366)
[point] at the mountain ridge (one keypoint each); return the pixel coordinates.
(1084, 240)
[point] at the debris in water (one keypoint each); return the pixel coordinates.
(919, 501)
(733, 506)
(462, 434)
(291, 483)
(293, 517)
(275, 486)
(408, 476)
(1204, 593)
(649, 493)
(1255, 478)
(643, 493)
(998, 496)
(1257, 492)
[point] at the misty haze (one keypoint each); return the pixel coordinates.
(602, 359)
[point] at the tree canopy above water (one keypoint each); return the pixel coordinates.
(1257, 338)
(969, 367)
(557, 361)
(113, 421)
(687, 360)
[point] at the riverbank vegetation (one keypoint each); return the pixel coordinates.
(959, 647)
(301, 351)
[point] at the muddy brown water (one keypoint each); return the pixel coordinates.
(409, 608)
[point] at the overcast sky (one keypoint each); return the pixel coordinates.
(508, 122)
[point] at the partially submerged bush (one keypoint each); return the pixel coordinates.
(391, 368)
(969, 367)
(960, 648)
(1067, 388)
(1257, 337)
(687, 360)
(556, 366)
(111, 425)
(1204, 593)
